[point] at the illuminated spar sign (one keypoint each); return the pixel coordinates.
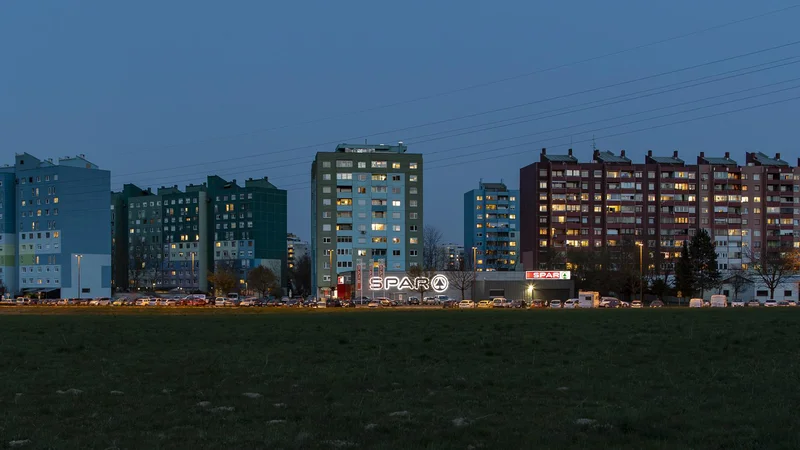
(438, 283)
(547, 275)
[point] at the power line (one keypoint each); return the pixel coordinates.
(426, 167)
(486, 84)
(507, 108)
(593, 104)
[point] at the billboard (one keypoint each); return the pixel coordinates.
(547, 275)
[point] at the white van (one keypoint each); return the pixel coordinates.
(696, 303)
(588, 299)
(719, 301)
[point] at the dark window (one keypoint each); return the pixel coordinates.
(762, 293)
(497, 292)
(787, 293)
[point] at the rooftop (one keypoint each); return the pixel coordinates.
(715, 161)
(663, 159)
(371, 148)
(608, 157)
(760, 159)
(497, 187)
(568, 158)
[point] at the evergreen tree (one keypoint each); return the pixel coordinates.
(684, 276)
(705, 272)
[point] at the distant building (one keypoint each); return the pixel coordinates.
(296, 249)
(366, 205)
(660, 204)
(452, 257)
(120, 236)
(491, 227)
(176, 237)
(53, 218)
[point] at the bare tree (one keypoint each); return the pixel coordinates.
(773, 266)
(418, 272)
(263, 280)
(224, 278)
(136, 268)
(431, 247)
(462, 280)
(737, 281)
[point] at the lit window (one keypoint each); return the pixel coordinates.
(412, 165)
(413, 240)
(396, 165)
(395, 202)
(412, 178)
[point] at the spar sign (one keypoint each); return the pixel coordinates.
(438, 283)
(547, 275)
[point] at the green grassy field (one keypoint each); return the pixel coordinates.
(662, 379)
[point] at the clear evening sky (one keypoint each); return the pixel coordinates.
(163, 93)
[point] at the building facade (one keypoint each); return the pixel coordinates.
(659, 204)
(175, 237)
(120, 236)
(491, 227)
(366, 206)
(296, 249)
(57, 210)
(453, 257)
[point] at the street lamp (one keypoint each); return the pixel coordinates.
(330, 262)
(193, 253)
(79, 257)
(641, 272)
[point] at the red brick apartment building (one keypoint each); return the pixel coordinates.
(659, 203)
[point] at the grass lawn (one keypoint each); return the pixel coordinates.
(664, 379)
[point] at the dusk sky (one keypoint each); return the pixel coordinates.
(165, 93)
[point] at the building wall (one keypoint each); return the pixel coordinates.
(660, 203)
(8, 232)
(491, 225)
(367, 204)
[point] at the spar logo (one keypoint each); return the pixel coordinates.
(438, 283)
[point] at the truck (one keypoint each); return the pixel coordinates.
(588, 299)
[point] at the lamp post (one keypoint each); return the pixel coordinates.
(474, 269)
(330, 262)
(641, 272)
(193, 253)
(79, 257)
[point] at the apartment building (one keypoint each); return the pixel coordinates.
(175, 237)
(296, 249)
(660, 204)
(366, 205)
(51, 215)
(491, 227)
(453, 257)
(120, 236)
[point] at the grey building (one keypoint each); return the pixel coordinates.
(366, 205)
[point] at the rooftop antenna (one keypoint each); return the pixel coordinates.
(594, 144)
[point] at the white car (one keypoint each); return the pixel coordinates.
(571, 303)
(770, 303)
(555, 303)
(636, 304)
(738, 303)
(248, 302)
(466, 304)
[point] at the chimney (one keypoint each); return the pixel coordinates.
(777, 156)
(622, 153)
(702, 154)
(544, 151)
(650, 153)
(569, 152)
(675, 154)
(727, 155)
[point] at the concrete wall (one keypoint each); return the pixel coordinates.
(95, 277)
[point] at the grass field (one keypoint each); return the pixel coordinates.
(662, 379)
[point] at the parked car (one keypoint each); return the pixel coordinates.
(413, 301)
(656, 304)
(484, 304)
(737, 303)
(570, 303)
(374, 304)
(610, 302)
(519, 304)
(696, 303)
(498, 303)
(771, 303)
(783, 303)
(792, 303)
(636, 304)
(753, 303)
(466, 304)
(429, 301)
(537, 304)
(450, 304)
(555, 303)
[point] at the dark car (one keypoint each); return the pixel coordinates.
(349, 304)
(519, 304)
(656, 304)
(414, 301)
(450, 304)
(333, 303)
